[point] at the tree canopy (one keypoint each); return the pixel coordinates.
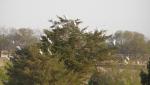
(130, 43)
(66, 55)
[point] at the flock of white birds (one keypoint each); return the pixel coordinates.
(126, 60)
(40, 51)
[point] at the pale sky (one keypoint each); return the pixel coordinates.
(111, 15)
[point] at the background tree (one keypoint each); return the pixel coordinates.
(148, 46)
(130, 43)
(4, 43)
(23, 37)
(10, 38)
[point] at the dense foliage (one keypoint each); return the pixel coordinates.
(73, 46)
(116, 77)
(130, 43)
(145, 76)
(66, 55)
(15, 37)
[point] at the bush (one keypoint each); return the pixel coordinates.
(116, 77)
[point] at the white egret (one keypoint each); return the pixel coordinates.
(125, 61)
(18, 47)
(49, 52)
(40, 51)
(49, 41)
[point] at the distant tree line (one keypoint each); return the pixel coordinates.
(130, 43)
(12, 38)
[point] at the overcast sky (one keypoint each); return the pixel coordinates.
(110, 15)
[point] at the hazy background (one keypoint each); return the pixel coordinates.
(111, 15)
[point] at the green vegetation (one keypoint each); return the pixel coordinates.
(130, 43)
(68, 55)
(65, 55)
(145, 76)
(116, 77)
(3, 74)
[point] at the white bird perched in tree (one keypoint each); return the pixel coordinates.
(125, 61)
(13, 42)
(128, 58)
(44, 35)
(18, 47)
(114, 42)
(60, 26)
(49, 41)
(40, 51)
(49, 52)
(74, 22)
(138, 62)
(40, 38)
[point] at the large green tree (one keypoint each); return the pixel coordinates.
(80, 51)
(66, 55)
(73, 46)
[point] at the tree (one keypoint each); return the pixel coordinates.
(72, 43)
(148, 46)
(29, 67)
(23, 37)
(4, 43)
(77, 49)
(145, 76)
(66, 55)
(130, 43)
